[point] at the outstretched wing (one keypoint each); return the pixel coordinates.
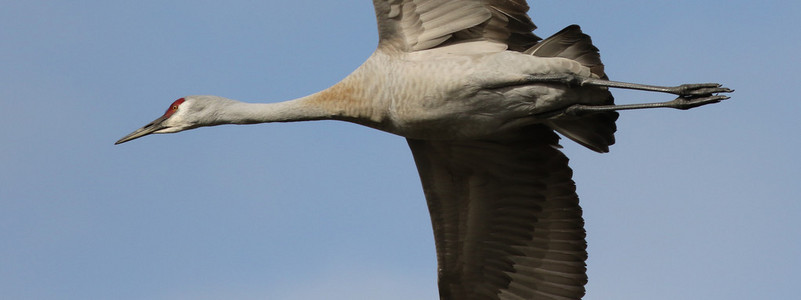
(413, 25)
(506, 217)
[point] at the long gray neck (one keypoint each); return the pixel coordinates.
(347, 100)
(236, 112)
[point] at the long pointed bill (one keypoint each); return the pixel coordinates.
(154, 126)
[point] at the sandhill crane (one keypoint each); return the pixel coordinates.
(479, 98)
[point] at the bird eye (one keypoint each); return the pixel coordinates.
(173, 107)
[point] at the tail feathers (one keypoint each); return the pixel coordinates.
(594, 131)
(573, 44)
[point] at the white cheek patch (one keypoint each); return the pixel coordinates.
(168, 130)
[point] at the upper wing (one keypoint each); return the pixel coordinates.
(413, 25)
(507, 222)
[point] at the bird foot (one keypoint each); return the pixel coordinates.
(687, 102)
(699, 89)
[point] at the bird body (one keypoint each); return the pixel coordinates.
(419, 97)
(449, 96)
(479, 99)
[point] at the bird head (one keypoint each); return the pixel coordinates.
(183, 114)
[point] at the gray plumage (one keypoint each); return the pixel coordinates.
(479, 98)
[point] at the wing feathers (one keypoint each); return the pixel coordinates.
(439, 23)
(413, 25)
(506, 219)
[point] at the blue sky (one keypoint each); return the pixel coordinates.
(699, 204)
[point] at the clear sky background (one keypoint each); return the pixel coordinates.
(699, 204)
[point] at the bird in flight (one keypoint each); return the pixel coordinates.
(479, 99)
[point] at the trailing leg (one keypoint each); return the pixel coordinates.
(684, 102)
(696, 89)
(690, 95)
